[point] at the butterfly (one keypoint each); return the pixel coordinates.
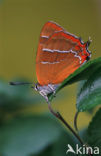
(59, 54)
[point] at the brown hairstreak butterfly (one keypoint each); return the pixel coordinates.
(59, 54)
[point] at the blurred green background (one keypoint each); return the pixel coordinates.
(20, 25)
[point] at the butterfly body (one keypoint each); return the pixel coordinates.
(59, 55)
(46, 89)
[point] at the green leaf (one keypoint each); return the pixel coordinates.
(89, 95)
(94, 131)
(81, 73)
(23, 136)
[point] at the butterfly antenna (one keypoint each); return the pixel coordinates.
(20, 83)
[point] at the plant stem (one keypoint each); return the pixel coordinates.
(75, 121)
(58, 115)
(76, 128)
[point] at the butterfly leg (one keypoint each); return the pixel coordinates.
(52, 88)
(43, 93)
(46, 89)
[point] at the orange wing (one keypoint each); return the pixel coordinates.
(49, 28)
(59, 54)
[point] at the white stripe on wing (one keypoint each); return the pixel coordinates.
(62, 51)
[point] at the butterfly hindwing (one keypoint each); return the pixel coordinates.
(49, 28)
(58, 56)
